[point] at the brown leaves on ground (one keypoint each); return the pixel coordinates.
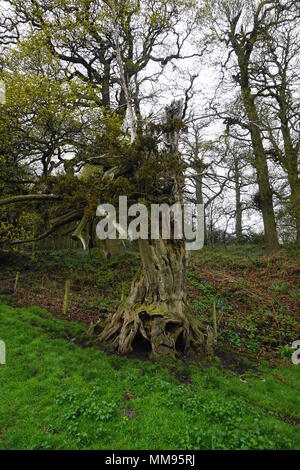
(253, 283)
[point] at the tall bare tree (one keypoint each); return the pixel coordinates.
(241, 26)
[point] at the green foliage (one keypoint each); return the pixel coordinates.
(255, 313)
(81, 409)
(285, 351)
(295, 295)
(230, 438)
(278, 286)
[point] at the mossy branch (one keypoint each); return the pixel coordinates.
(29, 198)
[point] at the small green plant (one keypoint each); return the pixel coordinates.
(84, 410)
(285, 351)
(280, 287)
(295, 295)
(234, 338)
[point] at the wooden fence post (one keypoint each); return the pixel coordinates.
(214, 315)
(16, 282)
(66, 297)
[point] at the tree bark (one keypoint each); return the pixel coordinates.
(238, 203)
(200, 199)
(261, 165)
(294, 182)
(291, 152)
(29, 198)
(156, 312)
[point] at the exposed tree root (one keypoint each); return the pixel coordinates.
(161, 328)
(156, 311)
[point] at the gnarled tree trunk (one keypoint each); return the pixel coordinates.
(156, 309)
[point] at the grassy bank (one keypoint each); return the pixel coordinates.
(257, 297)
(60, 392)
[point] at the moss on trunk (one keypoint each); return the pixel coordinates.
(156, 310)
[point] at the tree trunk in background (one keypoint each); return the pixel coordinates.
(243, 47)
(261, 165)
(294, 182)
(290, 162)
(238, 203)
(200, 200)
(156, 315)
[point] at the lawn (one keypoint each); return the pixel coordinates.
(60, 391)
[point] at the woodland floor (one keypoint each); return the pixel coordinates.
(60, 390)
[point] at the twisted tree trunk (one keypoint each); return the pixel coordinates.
(156, 311)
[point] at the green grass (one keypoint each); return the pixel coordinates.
(56, 394)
